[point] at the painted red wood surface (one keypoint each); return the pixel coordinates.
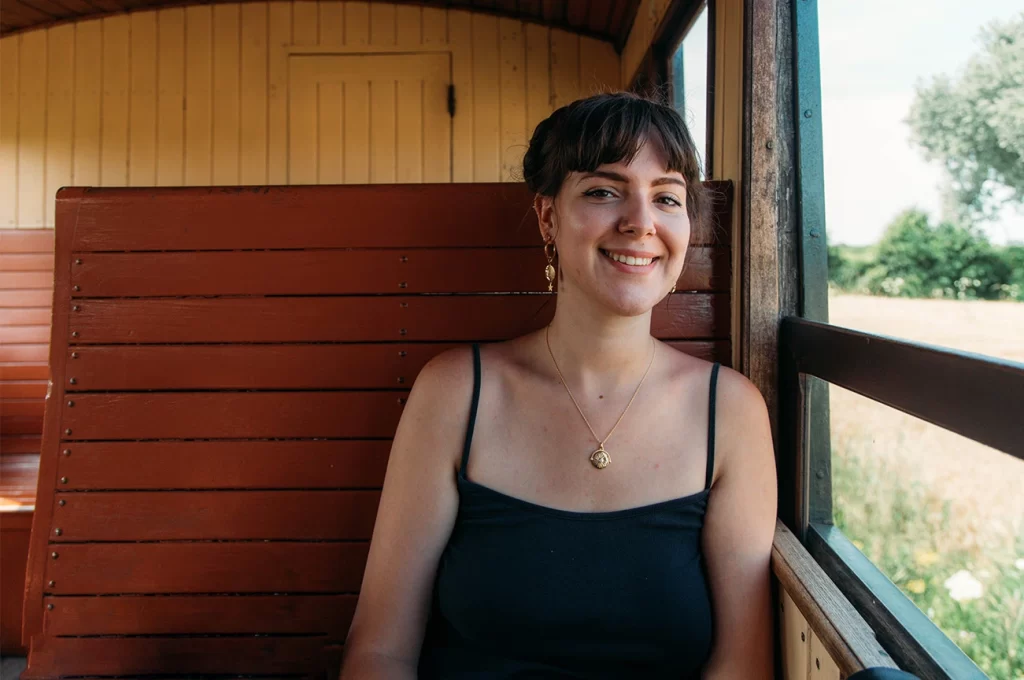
(14, 541)
(324, 464)
(328, 615)
(216, 515)
(205, 567)
(226, 380)
(345, 319)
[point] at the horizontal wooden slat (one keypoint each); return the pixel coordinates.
(27, 262)
(22, 389)
(24, 334)
(22, 424)
(36, 297)
(231, 415)
(23, 371)
(212, 567)
(361, 319)
(328, 615)
(18, 473)
(285, 366)
(322, 272)
(215, 515)
(28, 316)
(14, 444)
(21, 280)
(34, 353)
(367, 216)
(219, 465)
(26, 240)
(56, 656)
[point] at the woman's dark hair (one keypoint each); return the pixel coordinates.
(610, 128)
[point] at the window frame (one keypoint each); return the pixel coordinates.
(918, 379)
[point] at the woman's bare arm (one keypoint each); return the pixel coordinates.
(417, 511)
(738, 533)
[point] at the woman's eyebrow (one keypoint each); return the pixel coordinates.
(668, 180)
(616, 177)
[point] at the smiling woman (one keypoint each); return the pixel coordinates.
(509, 540)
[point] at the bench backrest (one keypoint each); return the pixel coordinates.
(229, 365)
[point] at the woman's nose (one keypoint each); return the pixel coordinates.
(637, 219)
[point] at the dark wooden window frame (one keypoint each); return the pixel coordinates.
(964, 393)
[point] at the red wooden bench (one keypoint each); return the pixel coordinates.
(26, 295)
(229, 365)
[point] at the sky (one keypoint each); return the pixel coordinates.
(873, 52)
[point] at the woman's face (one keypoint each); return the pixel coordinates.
(601, 219)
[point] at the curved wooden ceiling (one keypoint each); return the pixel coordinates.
(608, 20)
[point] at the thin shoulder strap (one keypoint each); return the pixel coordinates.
(711, 426)
(472, 413)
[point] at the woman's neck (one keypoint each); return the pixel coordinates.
(599, 353)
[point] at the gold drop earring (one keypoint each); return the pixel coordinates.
(549, 271)
(673, 289)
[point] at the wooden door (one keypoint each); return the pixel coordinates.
(369, 118)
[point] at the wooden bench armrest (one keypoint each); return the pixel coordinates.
(847, 638)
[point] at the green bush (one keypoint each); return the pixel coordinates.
(918, 260)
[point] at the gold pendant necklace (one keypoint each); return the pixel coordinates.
(600, 458)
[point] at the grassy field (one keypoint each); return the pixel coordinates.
(941, 515)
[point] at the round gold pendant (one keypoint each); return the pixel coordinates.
(600, 458)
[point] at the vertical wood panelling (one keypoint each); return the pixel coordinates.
(170, 123)
(32, 129)
(794, 642)
(332, 23)
(116, 101)
(200, 95)
(302, 129)
(460, 37)
(279, 25)
(226, 118)
(88, 91)
(9, 87)
(60, 98)
(486, 100)
(142, 119)
(565, 67)
(512, 49)
(253, 111)
(538, 76)
(822, 665)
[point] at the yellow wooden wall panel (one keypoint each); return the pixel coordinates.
(383, 123)
(332, 23)
(408, 25)
(357, 133)
(253, 101)
(460, 37)
(435, 27)
(9, 93)
(512, 51)
(88, 98)
(486, 99)
(198, 94)
(143, 98)
(538, 76)
(170, 123)
(330, 142)
(60, 98)
(32, 129)
(565, 67)
(302, 125)
(279, 26)
(304, 23)
(116, 101)
(410, 131)
(599, 67)
(382, 24)
(822, 665)
(226, 94)
(357, 24)
(794, 641)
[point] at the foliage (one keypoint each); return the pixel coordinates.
(900, 527)
(916, 259)
(974, 124)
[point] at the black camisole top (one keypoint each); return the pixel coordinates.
(527, 591)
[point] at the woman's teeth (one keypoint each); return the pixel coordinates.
(629, 259)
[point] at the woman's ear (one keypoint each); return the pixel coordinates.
(544, 206)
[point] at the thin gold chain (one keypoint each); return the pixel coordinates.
(654, 350)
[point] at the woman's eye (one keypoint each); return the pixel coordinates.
(599, 193)
(670, 200)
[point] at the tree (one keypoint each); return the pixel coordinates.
(974, 125)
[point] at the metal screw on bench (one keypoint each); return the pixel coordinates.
(58, 532)
(73, 381)
(76, 288)
(54, 555)
(402, 331)
(49, 607)
(63, 480)
(76, 308)
(67, 452)
(74, 334)
(71, 404)
(61, 502)
(403, 284)
(74, 355)
(401, 400)
(78, 262)
(401, 380)
(67, 431)
(52, 583)
(402, 353)
(403, 258)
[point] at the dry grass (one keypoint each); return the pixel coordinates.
(985, 487)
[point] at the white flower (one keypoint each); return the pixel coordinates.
(962, 586)
(1019, 564)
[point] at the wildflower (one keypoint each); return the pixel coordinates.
(926, 558)
(963, 587)
(1019, 564)
(916, 586)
